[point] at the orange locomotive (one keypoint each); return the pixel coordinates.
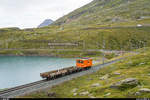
(81, 64)
(84, 63)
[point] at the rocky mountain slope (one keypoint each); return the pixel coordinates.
(45, 23)
(100, 12)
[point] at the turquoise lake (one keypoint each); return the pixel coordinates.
(18, 70)
(15, 71)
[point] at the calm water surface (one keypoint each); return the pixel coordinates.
(15, 71)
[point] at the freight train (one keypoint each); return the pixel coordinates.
(81, 65)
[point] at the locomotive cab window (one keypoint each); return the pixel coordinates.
(79, 61)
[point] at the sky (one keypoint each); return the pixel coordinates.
(31, 13)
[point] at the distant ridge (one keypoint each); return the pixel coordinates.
(100, 12)
(45, 23)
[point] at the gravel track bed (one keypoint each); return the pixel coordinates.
(51, 83)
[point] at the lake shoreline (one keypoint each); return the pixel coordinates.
(48, 53)
(27, 55)
(39, 55)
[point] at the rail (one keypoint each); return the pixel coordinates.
(20, 87)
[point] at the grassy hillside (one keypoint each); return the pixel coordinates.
(104, 12)
(111, 21)
(93, 38)
(106, 82)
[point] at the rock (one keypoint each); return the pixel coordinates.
(74, 90)
(121, 77)
(130, 81)
(95, 85)
(45, 23)
(116, 85)
(141, 63)
(104, 77)
(144, 90)
(84, 93)
(89, 79)
(127, 83)
(139, 25)
(51, 94)
(74, 94)
(91, 96)
(107, 94)
(117, 73)
(137, 93)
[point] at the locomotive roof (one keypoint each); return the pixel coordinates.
(84, 59)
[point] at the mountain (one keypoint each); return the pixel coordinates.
(100, 12)
(45, 23)
(123, 24)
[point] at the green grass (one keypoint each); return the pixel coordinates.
(53, 53)
(133, 38)
(98, 13)
(103, 12)
(136, 66)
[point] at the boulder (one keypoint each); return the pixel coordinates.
(74, 90)
(144, 90)
(137, 93)
(141, 63)
(127, 83)
(91, 96)
(51, 94)
(84, 93)
(95, 85)
(104, 77)
(116, 73)
(130, 81)
(74, 94)
(107, 94)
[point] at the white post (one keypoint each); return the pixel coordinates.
(103, 50)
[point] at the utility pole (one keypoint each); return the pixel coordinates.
(103, 51)
(144, 46)
(103, 46)
(145, 43)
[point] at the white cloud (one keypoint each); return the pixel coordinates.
(30, 13)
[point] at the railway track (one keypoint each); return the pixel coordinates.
(23, 89)
(20, 87)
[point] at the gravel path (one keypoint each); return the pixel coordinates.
(51, 83)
